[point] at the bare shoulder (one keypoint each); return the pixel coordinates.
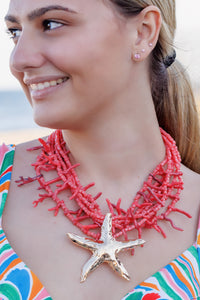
(29, 144)
(23, 151)
(24, 158)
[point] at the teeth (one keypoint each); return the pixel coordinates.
(40, 86)
(59, 81)
(53, 83)
(47, 84)
(43, 85)
(34, 87)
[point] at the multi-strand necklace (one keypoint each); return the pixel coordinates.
(153, 202)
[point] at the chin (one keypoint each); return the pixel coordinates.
(52, 122)
(54, 117)
(46, 122)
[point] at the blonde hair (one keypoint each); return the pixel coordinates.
(171, 89)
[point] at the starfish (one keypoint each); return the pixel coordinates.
(105, 250)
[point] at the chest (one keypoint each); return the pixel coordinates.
(40, 241)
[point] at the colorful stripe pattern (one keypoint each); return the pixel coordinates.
(177, 281)
(17, 281)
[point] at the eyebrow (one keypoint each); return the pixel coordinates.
(39, 12)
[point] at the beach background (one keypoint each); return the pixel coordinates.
(16, 123)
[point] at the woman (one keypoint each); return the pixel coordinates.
(105, 73)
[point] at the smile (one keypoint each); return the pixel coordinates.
(43, 85)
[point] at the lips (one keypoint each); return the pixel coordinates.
(43, 85)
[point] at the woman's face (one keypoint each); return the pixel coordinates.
(72, 58)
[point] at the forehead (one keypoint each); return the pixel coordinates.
(86, 10)
(25, 6)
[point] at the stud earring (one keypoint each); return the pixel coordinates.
(143, 50)
(150, 44)
(137, 56)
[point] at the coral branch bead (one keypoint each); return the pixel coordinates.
(161, 191)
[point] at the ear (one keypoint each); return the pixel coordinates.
(148, 29)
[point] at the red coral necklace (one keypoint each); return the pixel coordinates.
(148, 207)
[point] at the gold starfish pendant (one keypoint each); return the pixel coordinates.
(105, 250)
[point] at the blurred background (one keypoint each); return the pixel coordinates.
(16, 123)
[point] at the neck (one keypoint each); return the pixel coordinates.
(123, 144)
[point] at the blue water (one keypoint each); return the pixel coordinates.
(15, 111)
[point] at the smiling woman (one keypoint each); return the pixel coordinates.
(104, 75)
(72, 33)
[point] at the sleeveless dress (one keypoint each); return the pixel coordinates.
(179, 280)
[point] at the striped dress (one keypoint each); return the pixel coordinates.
(179, 280)
(17, 281)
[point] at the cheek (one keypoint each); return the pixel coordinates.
(102, 44)
(90, 57)
(20, 76)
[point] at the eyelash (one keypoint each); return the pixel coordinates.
(12, 32)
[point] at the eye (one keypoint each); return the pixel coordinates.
(13, 33)
(50, 25)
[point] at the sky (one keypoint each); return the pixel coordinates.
(187, 42)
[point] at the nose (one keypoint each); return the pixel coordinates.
(27, 54)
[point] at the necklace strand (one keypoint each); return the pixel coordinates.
(160, 192)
